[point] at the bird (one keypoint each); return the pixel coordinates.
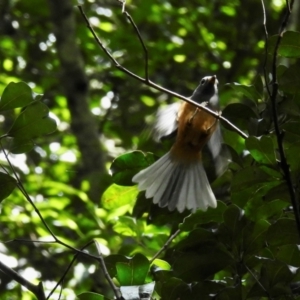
(178, 179)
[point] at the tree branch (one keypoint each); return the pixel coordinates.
(37, 290)
(74, 82)
(146, 80)
(279, 134)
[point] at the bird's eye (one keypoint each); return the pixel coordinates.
(202, 81)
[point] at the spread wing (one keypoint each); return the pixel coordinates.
(166, 121)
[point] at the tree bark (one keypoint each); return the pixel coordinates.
(75, 85)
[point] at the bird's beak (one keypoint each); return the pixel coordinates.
(213, 79)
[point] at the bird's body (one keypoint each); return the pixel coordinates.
(178, 179)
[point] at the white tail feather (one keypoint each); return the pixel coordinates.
(176, 185)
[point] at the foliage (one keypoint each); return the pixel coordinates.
(246, 248)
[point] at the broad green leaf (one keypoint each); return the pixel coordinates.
(15, 95)
(117, 195)
(289, 45)
(239, 114)
(32, 122)
(248, 91)
(91, 296)
(283, 232)
(201, 217)
(271, 209)
(7, 185)
(254, 236)
(262, 149)
(161, 264)
(18, 145)
(289, 254)
(289, 81)
(112, 260)
(234, 220)
(127, 165)
(175, 289)
(134, 271)
(199, 263)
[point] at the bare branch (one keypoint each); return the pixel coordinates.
(37, 290)
(154, 85)
(106, 274)
(166, 245)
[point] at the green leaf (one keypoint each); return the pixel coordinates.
(289, 254)
(283, 232)
(15, 95)
(289, 45)
(262, 149)
(7, 185)
(18, 146)
(134, 271)
(201, 217)
(239, 114)
(289, 81)
(199, 263)
(91, 296)
(32, 122)
(247, 90)
(111, 261)
(175, 289)
(116, 196)
(124, 167)
(254, 236)
(234, 220)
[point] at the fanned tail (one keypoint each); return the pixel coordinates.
(176, 185)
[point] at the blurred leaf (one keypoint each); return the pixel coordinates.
(15, 95)
(91, 296)
(262, 149)
(32, 122)
(289, 45)
(134, 271)
(124, 167)
(283, 232)
(7, 185)
(201, 217)
(247, 90)
(116, 196)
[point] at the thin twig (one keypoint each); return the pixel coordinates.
(116, 290)
(154, 85)
(266, 48)
(37, 290)
(279, 134)
(165, 246)
(258, 282)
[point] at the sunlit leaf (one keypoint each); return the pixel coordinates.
(117, 195)
(134, 271)
(32, 122)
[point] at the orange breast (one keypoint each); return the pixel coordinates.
(195, 127)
